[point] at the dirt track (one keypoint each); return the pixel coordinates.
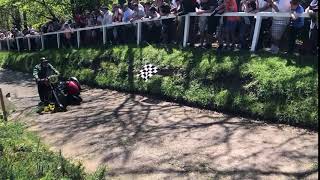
(141, 138)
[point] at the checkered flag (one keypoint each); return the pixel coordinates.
(148, 71)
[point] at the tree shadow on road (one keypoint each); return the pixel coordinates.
(140, 137)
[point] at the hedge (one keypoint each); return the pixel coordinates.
(281, 89)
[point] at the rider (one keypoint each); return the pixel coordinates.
(41, 72)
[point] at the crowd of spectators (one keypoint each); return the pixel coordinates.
(230, 32)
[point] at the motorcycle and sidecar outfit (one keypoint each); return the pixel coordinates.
(55, 95)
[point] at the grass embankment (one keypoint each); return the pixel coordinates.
(22, 156)
(276, 88)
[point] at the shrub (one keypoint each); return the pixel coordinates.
(22, 156)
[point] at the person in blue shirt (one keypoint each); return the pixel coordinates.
(296, 23)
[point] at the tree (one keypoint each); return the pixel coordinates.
(38, 12)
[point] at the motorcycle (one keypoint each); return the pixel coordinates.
(62, 93)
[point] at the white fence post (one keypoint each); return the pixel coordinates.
(186, 30)
(78, 38)
(256, 33)
(18, 45)
(42, 42)
(104, 32)
(29, 44)
(139, 33)
(58, 40)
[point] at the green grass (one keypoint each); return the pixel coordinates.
(22, 156)
(275, 88)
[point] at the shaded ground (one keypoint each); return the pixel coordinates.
(141, 138)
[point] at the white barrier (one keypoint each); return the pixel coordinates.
(258, 17)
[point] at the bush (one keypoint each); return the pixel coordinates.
(277, 88)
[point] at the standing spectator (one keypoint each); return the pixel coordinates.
(117, 14)
(213, 21)
(77, 19)
(83, 19)
(296, 23)
(24, 42)
(314, 26)
(36, 41)
(231, 23)
(153, 13)
(167, 24)
(219, 32)
(107, 16)
(86, 33)
(56, 24)
(205, 6)
(9, 34)
(121, 3)
(263, 6)
(92, 21)
(67, 35)
(50, 27)
(128, 30)
(176, 7)
(52, 38)
(141, 7)
(2, 36)
(127, 13)
(188, 6)
(117, 17)
(107, 20)
(155, 26)
(147, 7)
(25, 31)
(279, 24)
(158, 4)
(246, 23)
(99, 21)
(138, 13)
(264, 39)
(100, 18)
(17, 33)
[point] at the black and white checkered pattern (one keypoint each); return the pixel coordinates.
(148, 71)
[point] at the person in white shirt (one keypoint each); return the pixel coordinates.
(263, 6)
(141, 7)
(107, 17)
(138, 13)
(279, 24)
(2, 36)
(107, 20)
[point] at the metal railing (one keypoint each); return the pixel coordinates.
(258, 20)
